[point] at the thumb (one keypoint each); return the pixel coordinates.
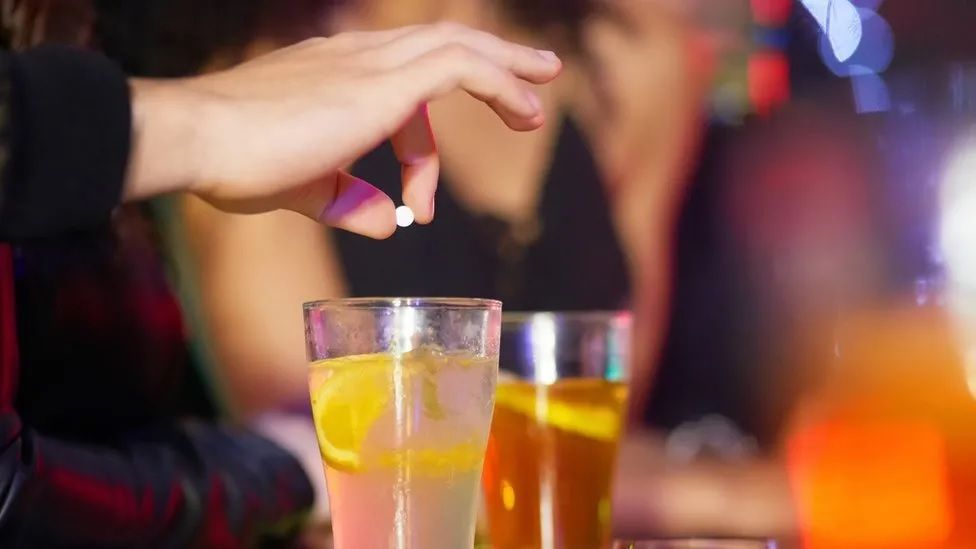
(346, 202)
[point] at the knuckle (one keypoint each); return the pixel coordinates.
(511, 57)
(448, 29)
(459, 53)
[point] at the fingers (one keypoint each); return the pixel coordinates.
(357, 41)
(360, 207)
(451, 67)
(415, 149)
(398, 47)
(429, 61)
(420, 64)
(346, 202)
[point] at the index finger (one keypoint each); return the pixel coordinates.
(416, 150)
(527, 63)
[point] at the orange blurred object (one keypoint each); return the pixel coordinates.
(882, 454)
(871, 484)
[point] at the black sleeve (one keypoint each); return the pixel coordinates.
(192, 485)
(187, 484)
(65, 126)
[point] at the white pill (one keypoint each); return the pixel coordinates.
(404, 216)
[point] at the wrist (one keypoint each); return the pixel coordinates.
(168, 121)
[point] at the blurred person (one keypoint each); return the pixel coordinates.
(576, 217)
(248, 282)
(603, 182)
(100, 447)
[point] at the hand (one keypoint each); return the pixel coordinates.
(275, 132)
(296, 433)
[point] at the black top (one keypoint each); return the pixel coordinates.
(569, 260)
(98, 446)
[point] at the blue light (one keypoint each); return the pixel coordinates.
(773, 39)
(870, 93)
(873, 54)
(840, 22)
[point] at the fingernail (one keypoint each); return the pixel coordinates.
(548, 55)
(534, 102)
(433, 201)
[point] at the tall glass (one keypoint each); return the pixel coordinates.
(402, 393)
(559, 411)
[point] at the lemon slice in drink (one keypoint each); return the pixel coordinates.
(589, 408)
(348, 396)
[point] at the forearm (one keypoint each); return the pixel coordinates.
(646, 210)
(168, 120)
(646, 228)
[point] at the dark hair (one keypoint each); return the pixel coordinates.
(159, 37)
(178, 37)
(562, 22)
(24, 23)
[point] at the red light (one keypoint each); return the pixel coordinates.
(769, 81)
(771, 13)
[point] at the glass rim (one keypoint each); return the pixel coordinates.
(378, 303)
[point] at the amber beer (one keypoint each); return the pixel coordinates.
(554, 435)
(550, 463)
